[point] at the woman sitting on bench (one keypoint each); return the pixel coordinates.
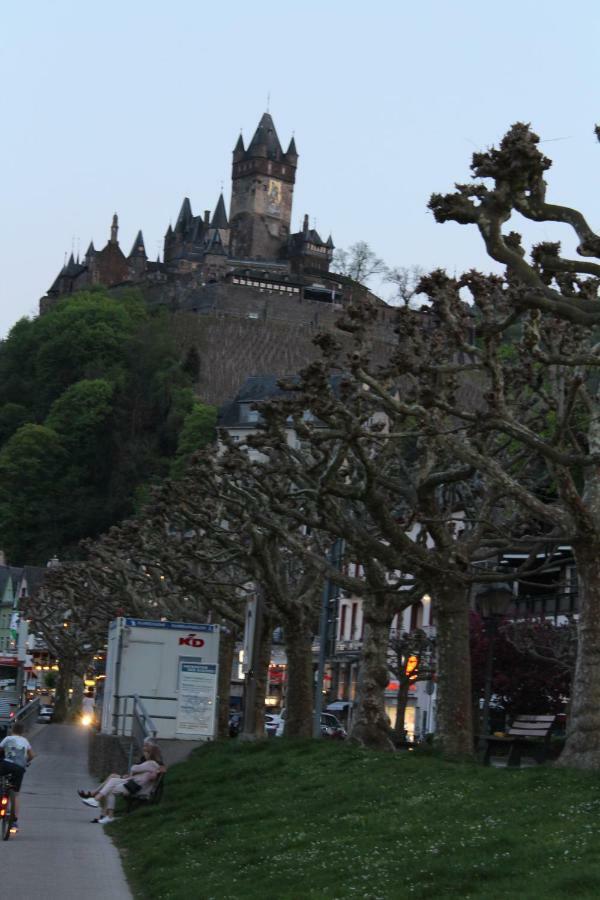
(137, 783)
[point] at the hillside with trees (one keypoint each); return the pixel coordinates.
(93, 400)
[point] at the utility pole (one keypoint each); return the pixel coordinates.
(254, 622)
(327, 594)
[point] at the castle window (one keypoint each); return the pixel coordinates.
(283, 170)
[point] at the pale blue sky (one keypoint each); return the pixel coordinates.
(129, 106)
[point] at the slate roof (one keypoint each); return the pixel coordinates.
(219, 219)
(138, 248)
(4, 576)
(185, 215)
(254, 389)
(34, 575)
(257, 389)
(265, 141)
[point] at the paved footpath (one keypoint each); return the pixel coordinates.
(58, 854)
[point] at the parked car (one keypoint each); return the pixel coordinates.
(272, 723)
(331, 727)
(45, 713)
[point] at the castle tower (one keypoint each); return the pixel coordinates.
(263, 179)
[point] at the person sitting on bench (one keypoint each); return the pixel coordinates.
(138, 783)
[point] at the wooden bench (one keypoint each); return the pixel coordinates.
(527, 736)
(155, 795)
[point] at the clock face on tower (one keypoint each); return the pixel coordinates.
(274, 197)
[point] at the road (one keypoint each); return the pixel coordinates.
(58, 854)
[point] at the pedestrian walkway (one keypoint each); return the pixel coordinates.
(58, 854)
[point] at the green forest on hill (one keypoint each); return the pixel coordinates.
(95, 405)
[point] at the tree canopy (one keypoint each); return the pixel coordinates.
(93, 398)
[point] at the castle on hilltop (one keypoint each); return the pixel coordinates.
(252, 248)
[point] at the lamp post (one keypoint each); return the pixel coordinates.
(492, 601)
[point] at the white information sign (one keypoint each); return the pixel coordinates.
(197, 704)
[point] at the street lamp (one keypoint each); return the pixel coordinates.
(492, 601)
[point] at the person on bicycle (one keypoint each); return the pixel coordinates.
(15, 756)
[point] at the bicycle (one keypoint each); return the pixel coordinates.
(7, 807)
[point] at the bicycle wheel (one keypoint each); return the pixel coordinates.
(7, 800)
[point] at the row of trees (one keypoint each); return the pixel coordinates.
(480, 434)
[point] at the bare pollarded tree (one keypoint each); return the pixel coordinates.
(543, 400)
(383, 476)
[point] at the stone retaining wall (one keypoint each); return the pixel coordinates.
(107, 753)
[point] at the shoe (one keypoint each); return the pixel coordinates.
(90, 801)
(95, 821)
(106, 820)
(84, 794)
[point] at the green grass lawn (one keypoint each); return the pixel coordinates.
(292, 820)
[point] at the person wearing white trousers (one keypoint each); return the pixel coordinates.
(144, 774)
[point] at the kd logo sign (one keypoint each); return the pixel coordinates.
(191, 641)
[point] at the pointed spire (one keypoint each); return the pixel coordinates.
(185, 215)
(114, 229)
(239, 147)
(90, 250)
(219, 219)
(169, 231)
(330, 243)
(138, 248)
(291, 150)
(265, 141)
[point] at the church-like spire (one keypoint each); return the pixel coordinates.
(90, 250)
(219, 219)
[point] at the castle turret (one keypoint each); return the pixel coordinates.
(307, 251)
(263, 179)
(137, 259)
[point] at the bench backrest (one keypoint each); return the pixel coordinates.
(531, 726)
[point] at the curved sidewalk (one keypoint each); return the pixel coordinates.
(58, 854)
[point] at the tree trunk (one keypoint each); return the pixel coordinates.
(65, 678)
(78, 689)
(370, 725)
(454, 701)
(226, 651)
(401, 701)
(298, 634)
(582, 746)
